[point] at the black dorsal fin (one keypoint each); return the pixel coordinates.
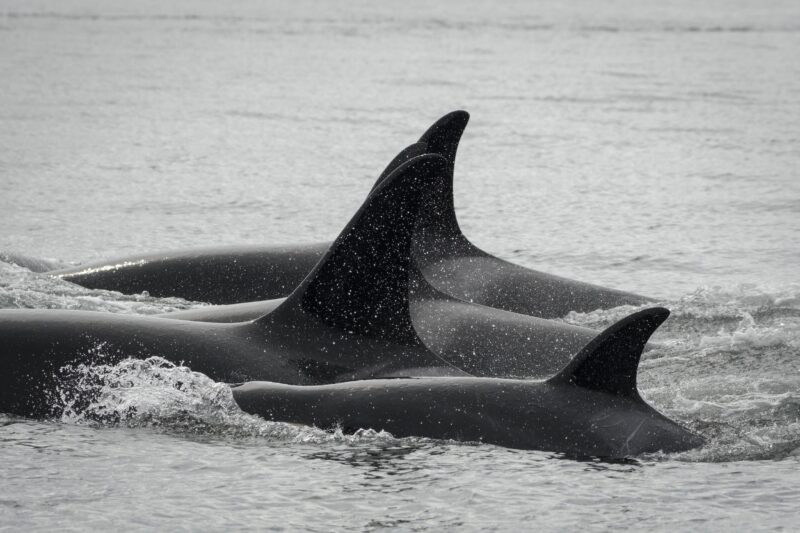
(438, 232)
(410, 151)
(361, 284)
(442, 138)
(610, 361)
(444, 135)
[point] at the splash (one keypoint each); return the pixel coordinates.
(156, 394)
(727, 365)
(707, 308)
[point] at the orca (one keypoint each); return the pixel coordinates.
(217, 275)
(349, 319)
(445, 257)
(480, 340)
(590, 408)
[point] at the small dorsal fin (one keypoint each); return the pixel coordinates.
(610, 361)
(405, 154)
(361, 284)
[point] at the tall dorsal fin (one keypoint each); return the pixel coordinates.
(438, 232)
(610, 361)
(405, 154)
(361, 284)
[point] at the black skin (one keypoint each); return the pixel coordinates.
(444, 256)
(349, 319)
(364, 312)
(510, 413)
(481, 340)
(36, 344)
(590, 408)
(218, 275)
(221, 275)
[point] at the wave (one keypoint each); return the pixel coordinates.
(20, 288)
(156, 394)
(351, 25)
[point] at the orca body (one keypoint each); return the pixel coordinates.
(349, 319)
(217, 275)
(590, 408)
(445, 257)
(480, 340)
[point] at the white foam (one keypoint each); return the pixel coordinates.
(22, 289)
(154, 393)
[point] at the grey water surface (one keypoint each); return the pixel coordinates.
(649, 146)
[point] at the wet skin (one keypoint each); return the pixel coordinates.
(444, 256)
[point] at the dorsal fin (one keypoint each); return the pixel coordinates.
(610, 361)
(444, 135)
(361, 284)
(405, 154)
(442, 138)
(438, 232)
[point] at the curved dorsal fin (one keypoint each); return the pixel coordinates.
(438, 232)
(444, 135)
(610, 361)
(442, 138)
(410, 151)
(361, 284)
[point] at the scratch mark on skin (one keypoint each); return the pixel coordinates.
(626, 446)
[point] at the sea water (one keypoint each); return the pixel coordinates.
(648, 146)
